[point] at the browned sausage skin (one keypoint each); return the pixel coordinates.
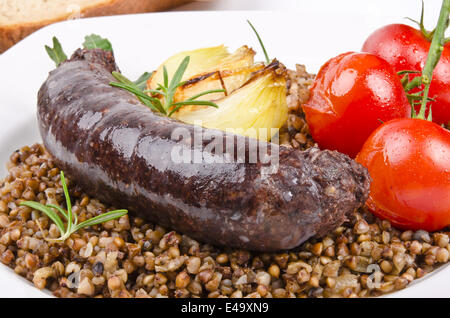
(119, 151)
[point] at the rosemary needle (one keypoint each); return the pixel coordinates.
(260, 42)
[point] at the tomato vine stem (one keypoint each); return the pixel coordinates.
(434, 54)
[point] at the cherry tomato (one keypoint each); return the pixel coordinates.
(351, 96)
(406, 48)
(409, 162)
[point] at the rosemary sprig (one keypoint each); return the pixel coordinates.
(166, 90)
(260, 42)
(136, 89)
(70, 217)
(141, 82)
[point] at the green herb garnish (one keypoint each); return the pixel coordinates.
(167, 90)
(260, 42)
(56, 53)
(92, 41)
(141, 82)
(147, 97)
(71, 218)
(95, 41)
(137, 90)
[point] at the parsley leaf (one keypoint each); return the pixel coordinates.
(95, 41)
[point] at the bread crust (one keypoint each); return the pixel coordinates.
(11, 34)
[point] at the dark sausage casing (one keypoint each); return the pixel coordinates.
(119, 151)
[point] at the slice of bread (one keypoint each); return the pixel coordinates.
(19, 18)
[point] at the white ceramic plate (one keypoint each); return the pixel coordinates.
(142, 42)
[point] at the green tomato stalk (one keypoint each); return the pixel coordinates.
(434, 54)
